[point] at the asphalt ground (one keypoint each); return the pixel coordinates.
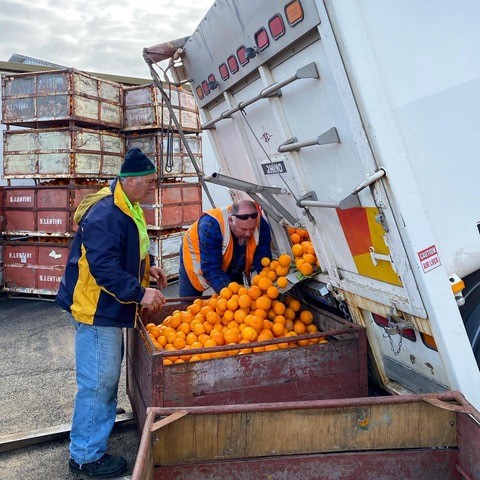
(37, 388)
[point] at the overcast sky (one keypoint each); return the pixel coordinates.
(105, 36)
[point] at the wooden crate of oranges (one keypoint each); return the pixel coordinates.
(244, 345)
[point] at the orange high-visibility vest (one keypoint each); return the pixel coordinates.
(191, 247)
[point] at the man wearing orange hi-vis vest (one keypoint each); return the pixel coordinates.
(224, 245)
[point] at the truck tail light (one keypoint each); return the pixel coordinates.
(408, 333)
(294, 12)
(276, 26)
(429, 341)
(223, 70)
(261, 39)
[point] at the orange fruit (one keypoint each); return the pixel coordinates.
(155, 332)
(210, 343)
(179, 343)
(176, 321)
(259, 312)
(272, 275)
(196, 344)
(232, 324)
(272, 292)
(299, 327)
(295, 238)
(280, 319)
(162, 340)
(232, 335)
(254, 292)
(297, 250)
(227, 316)
(312, 328)
(271, 348)
(221, 305)
(148, 326)
(185, 328)
(281, 271)
(242, 291)
(239, 315)
(264, 283)
(309, 258)
(232, 304)
(306, 269)
(294, 304)
(284, 260)
(289, 314)
(198, 329)
(278, 307)
(226, 293)
(249, 333)
(191, 338)
(255, 279)
(195, 358)
(265, 261)
(206, 309)
(218, 338)
(278, 329)
(208, 327)
(306, 317)
(244, 301)
(212, 318)
(289, 325)
(256, 323)
(167, 361)
(203, 337)
(234, 287)
(264, 302)
(282, 282)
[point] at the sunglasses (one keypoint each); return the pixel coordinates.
(246, 216)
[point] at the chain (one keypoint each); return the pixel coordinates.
(386, 334)
(344, 309)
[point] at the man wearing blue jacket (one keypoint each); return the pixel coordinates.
(106, 281)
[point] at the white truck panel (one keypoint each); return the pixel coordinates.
(399, 83)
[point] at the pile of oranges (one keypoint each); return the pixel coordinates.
(306, 261)
(237, 316)
(240, 315)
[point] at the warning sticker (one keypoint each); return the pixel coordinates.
(429, 258)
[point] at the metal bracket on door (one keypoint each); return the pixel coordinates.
(350, 201)
(308, 71)
(330, 136)
(270, 204)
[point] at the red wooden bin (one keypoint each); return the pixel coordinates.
(337, 369)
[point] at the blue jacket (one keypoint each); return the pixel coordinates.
(104, 279)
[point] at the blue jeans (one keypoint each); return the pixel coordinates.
(98, 356)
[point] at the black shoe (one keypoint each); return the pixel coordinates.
(105, 467)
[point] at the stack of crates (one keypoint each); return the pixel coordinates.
(178, 201)
(64, 138)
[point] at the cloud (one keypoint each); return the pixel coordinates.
(95, 35)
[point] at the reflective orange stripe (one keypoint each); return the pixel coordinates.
(191, 248)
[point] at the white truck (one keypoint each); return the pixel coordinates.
(357, 120)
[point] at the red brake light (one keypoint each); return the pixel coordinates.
(205, 87)
(276, 26)
(261, 39)
(223, 70)
(232, 64)
(242, 55)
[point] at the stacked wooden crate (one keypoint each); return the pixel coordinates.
(178, 201)
(69, 144)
